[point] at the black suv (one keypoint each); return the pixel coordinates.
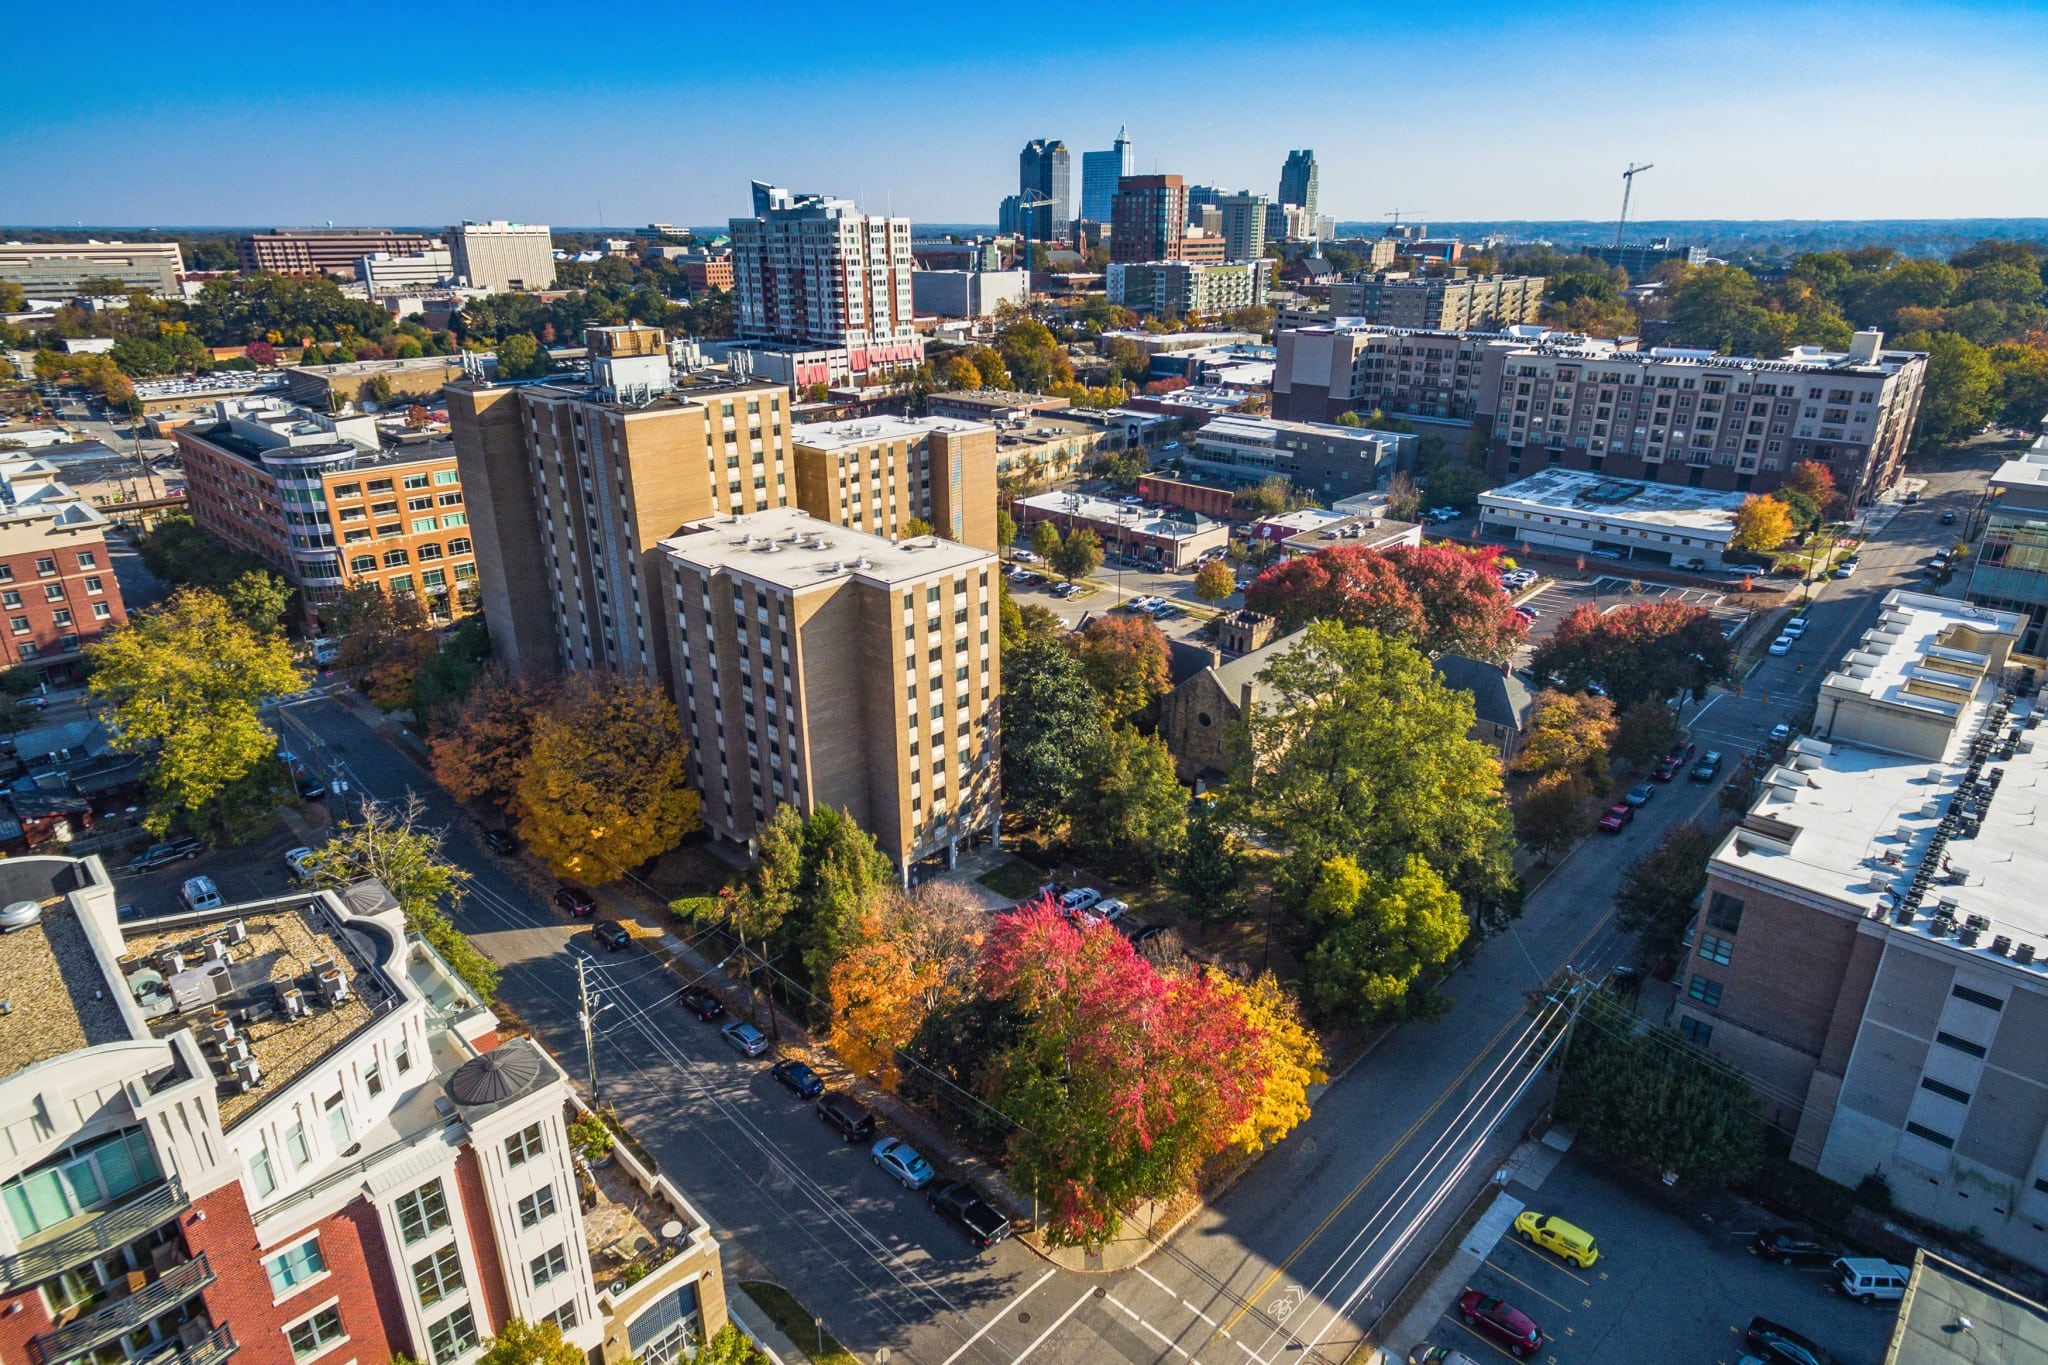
(1792, 1246)
(960, 1204)
(801, 1080)
(701, 1003)
(612, 935)
(847, 1114)
(159, 855)
(1782, 1345)
(1707, 767)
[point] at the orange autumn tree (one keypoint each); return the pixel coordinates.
(477, 753)
(603, 786)
(910, 956)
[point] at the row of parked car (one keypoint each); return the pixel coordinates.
(958, 1202)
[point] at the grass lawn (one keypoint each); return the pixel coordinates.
(797, 1323)
(1016, 879)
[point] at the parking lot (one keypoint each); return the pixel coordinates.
(1558, 595)
(1668, 1285)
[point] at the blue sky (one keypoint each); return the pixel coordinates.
(290, 114)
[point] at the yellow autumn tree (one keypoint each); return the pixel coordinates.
(602, 788)
(1293, 1060)
(1761, 523)
(910, 955)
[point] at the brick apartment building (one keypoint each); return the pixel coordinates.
(1148, 218)
(1871, 949)
(1322, 371)
(818, 666)
(58, 592)
(876, 474)
(1730, 423)
(324, 502)
(1452, 302)
(284, 1131)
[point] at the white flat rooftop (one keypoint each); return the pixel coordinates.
(794, 550)
(1601, 496)
(858, 431)
(1146, 520)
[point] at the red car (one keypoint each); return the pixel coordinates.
(1502, 1321)
(1617, 815)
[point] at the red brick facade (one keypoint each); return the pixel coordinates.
(491, 1306)
(22, 1316)
(56, 598)
(360, 1277)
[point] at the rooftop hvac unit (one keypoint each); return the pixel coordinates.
(172, 961)
(1880, 880)
(2023, 954)
(2002, 944)
(1958, 875)
(334, 985)
(291, 1002)
(1969, 934)
(248, 1074)
(200, 986)
(1933, 777)
(238, 933)
(217, 949)
(1946, 905)
(1932, 807)
(236, 1050)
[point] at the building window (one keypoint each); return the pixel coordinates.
(445, 477)
(53, 592)
(1938, 1139)
(537, 1207)
(548, 1265)
(88, 560)
(401, 582)
(1714, 948)
(102, 612)
(1962, 1045)
(438, 1276)
(1928, 1083)
(415, 481)
(563, 1317)
(524, 1145)
(395, 559)
(18, 624)
(422, 1212)
(291, 1268)
(1706, 990)
(1694, 1031)
(295, 1145)
(424, 526)
(45, 565)
(1724, 912)
(61, 617)
(362, 564)
(459, 546)
(1989, 1002)
(86, 1178)
(95, 584)
(262, 1174)
(316, 1334)
(453, 1335)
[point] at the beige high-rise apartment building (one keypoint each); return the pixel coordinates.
(1454, 302)
(577, 482)
(820, 666)
(875, 474)
(503, 257)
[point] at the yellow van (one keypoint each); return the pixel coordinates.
(1554, 1234)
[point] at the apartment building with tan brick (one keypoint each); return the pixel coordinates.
(876, 474)
(819, 666)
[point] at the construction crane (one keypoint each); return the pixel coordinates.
(1395, 214)
(1628, 184)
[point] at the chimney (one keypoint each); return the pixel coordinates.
(1864, 346)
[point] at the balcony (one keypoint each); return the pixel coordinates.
(114, 1320)
(96, 1234)
(215, 1346)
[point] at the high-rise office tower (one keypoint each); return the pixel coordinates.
(1298, 180)
(1244, 226)
(1148, 218)
(1099, 173)
(501, 256)
(1043, 169)
(819, 271)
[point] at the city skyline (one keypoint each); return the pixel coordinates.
(1748, 105)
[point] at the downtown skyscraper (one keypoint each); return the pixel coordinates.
(1043, 172)
(1298, 181)
(1099, 173)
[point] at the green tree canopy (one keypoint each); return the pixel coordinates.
(1128, 807)
(1655, 901)
(1380, 932)
(1050, 717)
(181, 684)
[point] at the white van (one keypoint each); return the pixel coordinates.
(201, 894)
(1867, 1279)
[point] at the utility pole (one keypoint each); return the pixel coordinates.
(1628, 184)
(585, 1016)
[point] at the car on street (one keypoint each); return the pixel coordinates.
(701, 1003)
(1639, 794)
(1780, 733)
(502, 842)
(1708, 767)
(960, 1204)
(903, 1162)
(611, 935)
(1555, 1235)
(1102, 912)
(1147, 934)
(749, 1040)
(1618, 815)
(576, 900)
(1067, 590)
(1080, 898)
(1426, 1354)
(162, 855)
(852, 1118)
(1846, 569)
(1665, 770)
(798, 1079)
(1948, 518)
(1795, 627)
(299, 862)
(1783, 1346)
(1793, 1246)
(1024, 557)
(1515, 1330)
(309, 787)
(1783, 644)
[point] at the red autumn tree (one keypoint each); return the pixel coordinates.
(1463, 609)
(1346, 583)
(1123, 1081)
(1817, 482)
(262, 352)
(1651, 650)
(1125, 659)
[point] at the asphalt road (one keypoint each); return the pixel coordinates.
(1294, 1262)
